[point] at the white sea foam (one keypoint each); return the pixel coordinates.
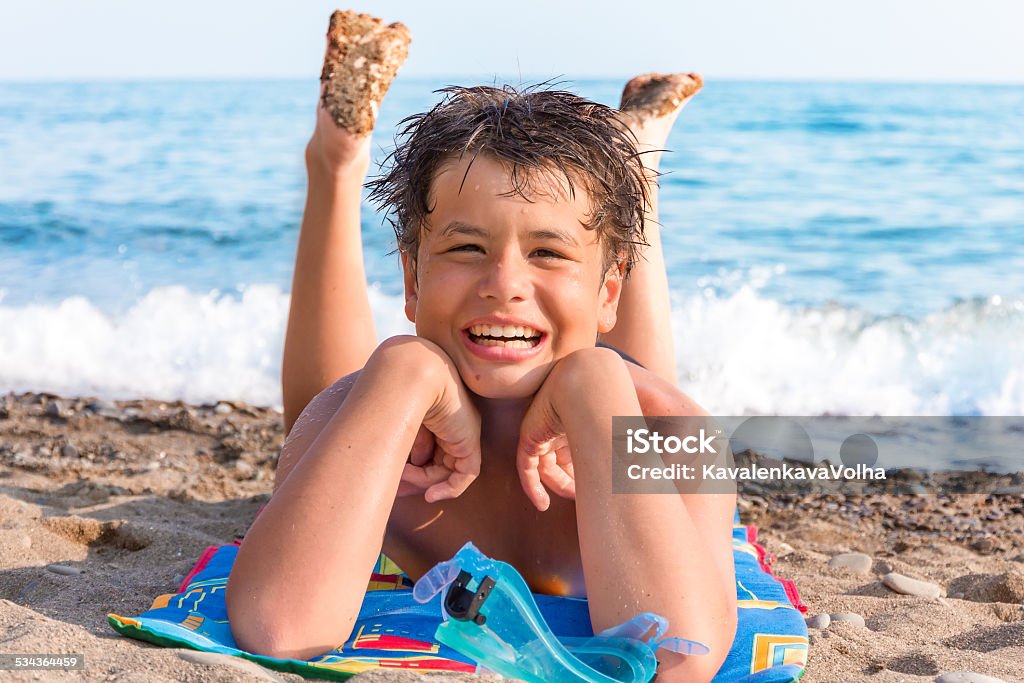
(738, 353)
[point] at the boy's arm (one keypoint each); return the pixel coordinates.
(422, 471)
(713, 512)
(301, 572)
(640, 552)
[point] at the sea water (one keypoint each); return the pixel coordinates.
(831, 248)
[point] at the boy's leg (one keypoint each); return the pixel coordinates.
(650, 105)
(330, 325)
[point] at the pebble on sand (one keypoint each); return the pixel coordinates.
(237, 663)
(223, 409)
(63, 569)
(908, 586)
(819, 621)
(782, 549)
(849, 618)
(967, 677)
(858, 563)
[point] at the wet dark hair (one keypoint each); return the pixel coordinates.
(530, 129)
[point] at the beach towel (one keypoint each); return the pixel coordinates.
(393, 631)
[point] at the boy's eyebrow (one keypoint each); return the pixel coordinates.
(460, 228)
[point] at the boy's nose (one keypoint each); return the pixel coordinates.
(507, 279)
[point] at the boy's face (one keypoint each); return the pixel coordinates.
(507, 286)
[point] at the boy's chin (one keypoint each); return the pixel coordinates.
(506, 386)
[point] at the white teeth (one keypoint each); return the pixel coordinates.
(507, 331)
(511, 343)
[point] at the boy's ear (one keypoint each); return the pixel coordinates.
(608, 303)
(411, 291)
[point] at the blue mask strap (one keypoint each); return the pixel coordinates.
(640, 625)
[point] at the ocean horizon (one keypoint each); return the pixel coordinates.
(832, 247)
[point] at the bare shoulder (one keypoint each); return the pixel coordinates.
(311, 421)
(659, 397)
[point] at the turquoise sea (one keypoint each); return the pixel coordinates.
(832, 247)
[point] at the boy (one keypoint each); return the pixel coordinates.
(518, 214)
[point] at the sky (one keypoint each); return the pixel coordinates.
(954, 41)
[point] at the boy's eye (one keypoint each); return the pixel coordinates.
(466, 247)
(547, 253)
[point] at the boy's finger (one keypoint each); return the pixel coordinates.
(529, 477)
(465, 460)
(422, 450)
(424, 477)
(452, 487)
(557, 479)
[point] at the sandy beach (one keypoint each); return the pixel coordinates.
(105, 505)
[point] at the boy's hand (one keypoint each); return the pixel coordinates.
(543, 458)
(419, 473)
(445, 456)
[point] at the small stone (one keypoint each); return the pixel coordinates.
(967, 677)
(984, 546)
(782, 549)
(819, 621)
(63, 569)
(101, 405)
(69, 451)
(55, 409)
(223, 409)
(857, 563)
(237, 663)
(244, 469)
(908, 586)
(848, 618)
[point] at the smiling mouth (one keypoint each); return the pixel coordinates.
(509, 336)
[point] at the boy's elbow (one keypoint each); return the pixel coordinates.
(675, 668)
(725, 634)
(263, 628)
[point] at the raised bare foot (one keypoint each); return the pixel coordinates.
(363, 56)
(650, 105)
